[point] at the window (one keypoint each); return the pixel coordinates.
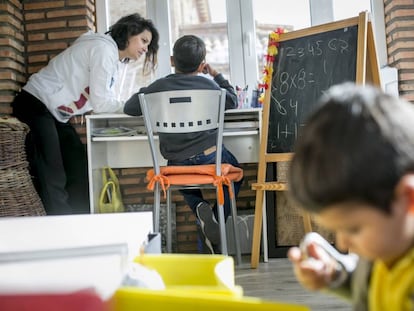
(235, 31)
(207, 20)
(293, 16)
(349, 8)
(277, 15)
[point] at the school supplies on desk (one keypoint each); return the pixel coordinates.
(242, 97)
(255, 103)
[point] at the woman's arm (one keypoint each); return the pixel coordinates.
(102, 75)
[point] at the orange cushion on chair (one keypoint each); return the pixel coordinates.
(197, 174)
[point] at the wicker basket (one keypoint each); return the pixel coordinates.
(18, 197)
(12, 137)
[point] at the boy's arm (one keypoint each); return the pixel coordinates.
(355, 285)
(132, 106)
(319, 266)
(231, 96)
(341, 282)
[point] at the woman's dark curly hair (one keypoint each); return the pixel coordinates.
(132, 25)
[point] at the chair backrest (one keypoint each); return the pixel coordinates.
(183, 111)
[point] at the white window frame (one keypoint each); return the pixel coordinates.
(243, 64)
(159, 12)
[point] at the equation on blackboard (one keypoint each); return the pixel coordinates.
(304, 68)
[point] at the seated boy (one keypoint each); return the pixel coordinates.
(353, 168)
(188, 58)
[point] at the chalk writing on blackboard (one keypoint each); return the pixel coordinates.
(303, 69)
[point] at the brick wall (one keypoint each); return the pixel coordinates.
(12, 63)
(51, 26)
(399, 21)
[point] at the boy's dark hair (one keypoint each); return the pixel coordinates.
(188, 53)
(132, 25)
(354, 148)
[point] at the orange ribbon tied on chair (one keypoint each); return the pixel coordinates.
(162, 180)
(219, 181)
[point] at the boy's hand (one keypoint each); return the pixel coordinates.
(209, 70)
(315, 270)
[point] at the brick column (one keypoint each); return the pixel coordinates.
(12, 64)
(399, 27)
(51, 26)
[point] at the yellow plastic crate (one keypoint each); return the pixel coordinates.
(204, 273)
(132, 299)
(193, 282)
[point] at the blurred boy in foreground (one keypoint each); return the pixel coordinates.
(353, 168)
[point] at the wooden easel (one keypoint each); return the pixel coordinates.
(367, 69)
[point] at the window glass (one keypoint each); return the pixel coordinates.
(272, 14)
(350, 8)
(289, 14)
(207, 20)
(131, 77)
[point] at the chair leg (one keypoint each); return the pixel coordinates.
(222, 223)
(156, 209)
(169, 231)
(235, 229)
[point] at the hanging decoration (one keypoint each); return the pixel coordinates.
(272, 51)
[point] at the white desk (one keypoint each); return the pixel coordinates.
(241, 137)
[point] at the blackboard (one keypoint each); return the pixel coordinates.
(302, 70)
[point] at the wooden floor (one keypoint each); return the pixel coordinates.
(275, 280)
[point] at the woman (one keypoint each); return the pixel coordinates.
(78, 80)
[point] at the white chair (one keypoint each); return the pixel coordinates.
(187, 111)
